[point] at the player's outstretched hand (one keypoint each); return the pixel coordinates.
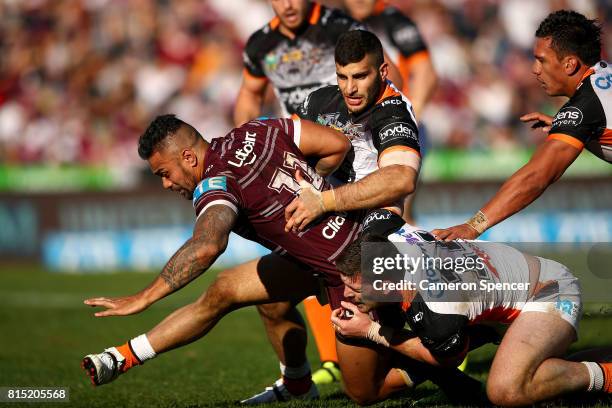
(462, 231)
(303, 209)
(355, 326)
(119, 306)
(541, 120)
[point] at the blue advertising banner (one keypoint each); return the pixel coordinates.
(146, 249)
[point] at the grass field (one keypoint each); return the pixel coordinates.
(45, 330)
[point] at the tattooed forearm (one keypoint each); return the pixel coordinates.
(199, 252)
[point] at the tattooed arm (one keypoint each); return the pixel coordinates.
(209, 240)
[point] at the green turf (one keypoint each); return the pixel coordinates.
(45, 330)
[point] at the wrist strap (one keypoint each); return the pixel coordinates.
(479, 222)
(328, 198)
(379, 334)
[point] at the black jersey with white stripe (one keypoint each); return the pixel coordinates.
(298, 66)
(586, 119)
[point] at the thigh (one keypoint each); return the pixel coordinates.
(270, 278)
(532, 338)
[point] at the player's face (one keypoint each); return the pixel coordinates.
(360, 9)
(360, 83)
(353, 293)
(292, 13)
(174, 172)
(547, 68)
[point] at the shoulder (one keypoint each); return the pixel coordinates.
(333, 16)
(392, 109)
(403, 31)
(325, 94)
(337, 22)
(394, 16)
(260, 41)
(583, 109)
(318, 101)
(444, 334)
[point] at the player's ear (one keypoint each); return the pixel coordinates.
(189, 157)
(571, 64)
(384, 70)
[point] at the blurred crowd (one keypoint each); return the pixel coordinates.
(81, 79)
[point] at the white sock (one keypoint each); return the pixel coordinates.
(142, 348)
(596, 376)
(295, 373)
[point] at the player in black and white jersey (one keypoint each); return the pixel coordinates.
(567, 63)
(529, 305)
(379, 122)
(294, 52)
(401, 38)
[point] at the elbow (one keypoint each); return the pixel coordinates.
(405, 180)
(346, 146)
(208, 253)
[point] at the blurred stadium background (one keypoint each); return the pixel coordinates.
(80, 80)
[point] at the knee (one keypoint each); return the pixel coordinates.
(507, 392)
(219, 297)
(274, 312)
(363, 398)
(362, 395)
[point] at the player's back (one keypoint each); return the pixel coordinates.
(253, 169)
(481, 280)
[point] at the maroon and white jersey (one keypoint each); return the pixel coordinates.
(252, 171)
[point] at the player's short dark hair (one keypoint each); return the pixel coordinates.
(157, 132)
(354, 45)
(349, 261)
(572, 33)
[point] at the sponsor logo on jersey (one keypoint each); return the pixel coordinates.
(568, 116)
(397, 130)
(418, 317)
(351, 130)
(242, 155)
(333, 226)
(391, 102)
(208, 184)
(297, 96)
(604, 82)
(406, 35)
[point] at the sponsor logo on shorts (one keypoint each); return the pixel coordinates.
(242, 154)
(397, 130)
(568, 116)
(567, 307)
(333, 226)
